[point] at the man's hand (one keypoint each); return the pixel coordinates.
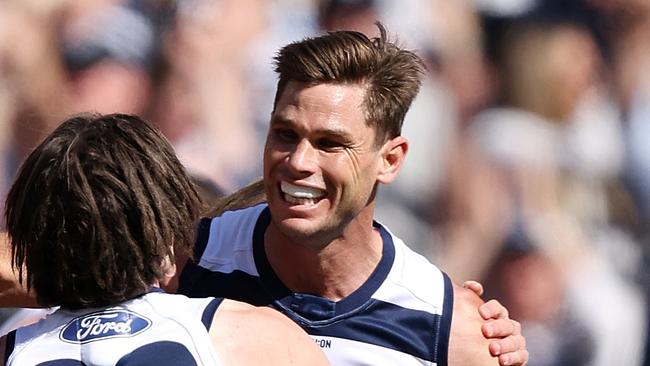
(507, 341)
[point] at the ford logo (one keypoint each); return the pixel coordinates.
(104, 324)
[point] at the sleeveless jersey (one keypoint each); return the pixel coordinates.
(153, 329)
(401, 315)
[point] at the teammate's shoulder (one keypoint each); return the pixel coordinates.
(248, 312)
(277, 340)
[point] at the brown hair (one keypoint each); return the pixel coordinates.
(392, 75)
(96, 211)
(248, 196)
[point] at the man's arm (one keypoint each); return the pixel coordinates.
(246, 335)
(12, 293)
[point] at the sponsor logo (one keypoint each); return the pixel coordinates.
(104, 324)
(323, 343)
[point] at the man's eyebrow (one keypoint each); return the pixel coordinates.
(331, 132)
(335, 132)
(277, 119)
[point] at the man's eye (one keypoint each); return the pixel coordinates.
(328, 144)
(286, 135)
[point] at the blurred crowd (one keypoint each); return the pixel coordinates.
(529, 162)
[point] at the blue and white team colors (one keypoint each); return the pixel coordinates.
(154, 329)
(400, 316)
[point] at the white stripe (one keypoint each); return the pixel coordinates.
(413, 282)
(229, 243)
(340, 351)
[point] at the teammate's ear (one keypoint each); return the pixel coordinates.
(169, 271)
(392, 153)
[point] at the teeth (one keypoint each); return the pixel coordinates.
(299, 201)
(300, 192)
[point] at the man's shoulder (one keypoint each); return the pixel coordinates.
(413, 281)
(239, 217)
(224, 258)
(409, 263)
(230, 232)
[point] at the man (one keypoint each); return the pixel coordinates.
(94, 219)
(314, 251)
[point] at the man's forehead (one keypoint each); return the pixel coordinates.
(346, 97)
(325, 108)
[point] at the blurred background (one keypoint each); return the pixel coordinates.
(529, 163)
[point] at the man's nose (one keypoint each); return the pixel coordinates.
(303, 157)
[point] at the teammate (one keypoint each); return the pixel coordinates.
(95, 218)
(314, 251)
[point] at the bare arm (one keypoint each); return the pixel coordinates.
(246, 335)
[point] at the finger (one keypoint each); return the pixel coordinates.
(493, 310)
(500, 328)
(511, 344)
(519, 358)
(475, 286)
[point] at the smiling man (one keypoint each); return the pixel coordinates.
(314, 250)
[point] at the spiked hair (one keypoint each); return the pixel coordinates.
(391, 75)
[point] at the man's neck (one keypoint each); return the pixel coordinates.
(333, 271)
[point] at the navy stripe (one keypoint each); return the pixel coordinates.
(159, 353)
(62, 362)
(196, 281)
(268, 278)
(313, 307)
(10, 343)
(202, 235)
(156, 289)
(390, 326)
(444, 331)
(208, 312)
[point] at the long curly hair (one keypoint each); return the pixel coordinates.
(98, 211)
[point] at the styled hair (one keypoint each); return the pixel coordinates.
(390, 74)
(98, 210)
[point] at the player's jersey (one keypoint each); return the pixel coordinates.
(400, 316)
(153, 329)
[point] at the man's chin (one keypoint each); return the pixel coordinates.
(298, 227)
(304, 232)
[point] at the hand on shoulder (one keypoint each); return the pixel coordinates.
(467, 345)
(482, 333)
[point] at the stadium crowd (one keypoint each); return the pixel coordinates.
(529, 162)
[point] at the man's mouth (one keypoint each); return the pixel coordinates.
(301, 195)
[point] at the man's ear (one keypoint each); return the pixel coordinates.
(392, 156)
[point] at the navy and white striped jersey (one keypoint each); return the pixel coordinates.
(400, 316)
(153, 329)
